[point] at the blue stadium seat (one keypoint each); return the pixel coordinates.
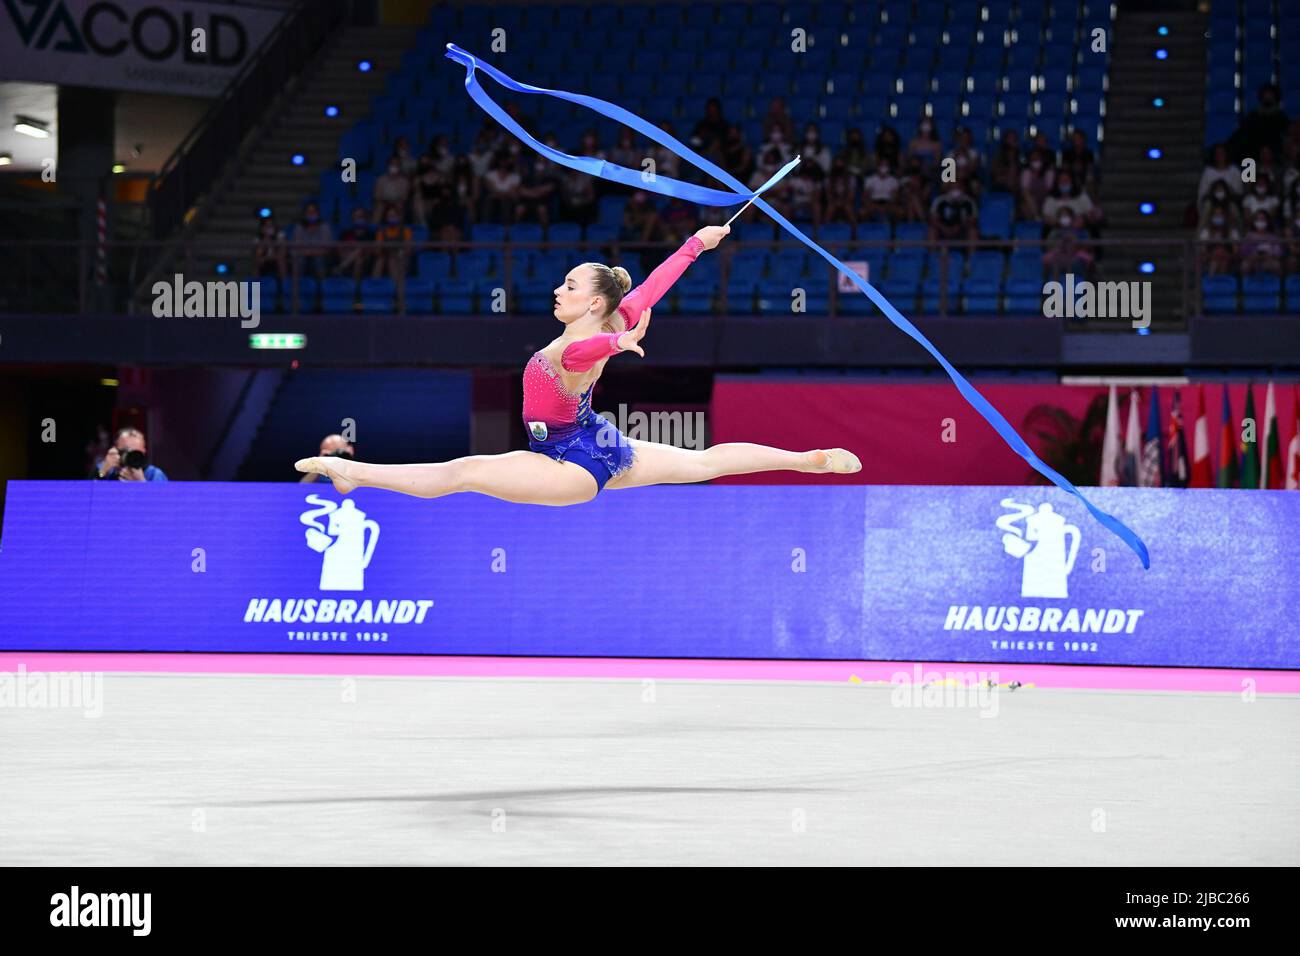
(1219, 293)
(1261, 293)
(980, 294)
(456, 296)
(1024, 296)
(419, 296)
(1293, 293)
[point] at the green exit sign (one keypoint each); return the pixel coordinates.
(277, 340)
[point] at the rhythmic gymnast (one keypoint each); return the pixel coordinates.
(574, 452)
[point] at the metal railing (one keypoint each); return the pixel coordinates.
(58, 276)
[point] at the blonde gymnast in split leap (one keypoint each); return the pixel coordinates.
(574, 452)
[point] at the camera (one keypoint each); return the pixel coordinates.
(133, 459)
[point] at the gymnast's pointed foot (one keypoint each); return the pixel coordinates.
(836, 461)
(335, 469)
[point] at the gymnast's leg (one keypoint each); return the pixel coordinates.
(657, 464)
(520, 476)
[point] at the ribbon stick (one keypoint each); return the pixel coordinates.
(780, 174)
(705, 196)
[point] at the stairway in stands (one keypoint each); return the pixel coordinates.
(298, 124)
(1133, 126)
(398, 415)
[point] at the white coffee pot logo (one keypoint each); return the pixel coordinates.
(342, 542)
(1041, 546)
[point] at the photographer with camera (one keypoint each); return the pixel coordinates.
(127, 459)
(331, 446)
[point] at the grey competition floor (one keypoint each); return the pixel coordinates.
(282, 770)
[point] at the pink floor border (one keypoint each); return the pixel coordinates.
(1222, 680)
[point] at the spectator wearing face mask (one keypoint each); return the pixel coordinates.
(915, 193)
(392, 244)
(841, 194)
(881, 194)
(1219, 170)
(779, 195)
(812, 149)
(1219, 235)
(1065, 255)
(776, 141)
(539, 189)
(1036, 182)
(856, 156)
(806, 193)
(440, 155)
(312, 243)
(357, 239)
(1261, 198)
(268, 250)
(889, 147)
(127, 459)
(1261, 250)
(778, 118)
(1223, 198)
(393, 188)
(954, 215)
(925, 145)
(967, 160)
(1079, 159)
(1068, 194)
(405, 158)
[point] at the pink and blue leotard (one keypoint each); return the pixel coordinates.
(561, 423)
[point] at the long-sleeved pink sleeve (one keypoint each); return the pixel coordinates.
(583, 354)
(659, 282)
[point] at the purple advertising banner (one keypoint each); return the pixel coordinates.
(980, 574)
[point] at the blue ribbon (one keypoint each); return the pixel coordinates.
(715, 197)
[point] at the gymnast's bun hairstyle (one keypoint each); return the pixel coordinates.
(609, 282)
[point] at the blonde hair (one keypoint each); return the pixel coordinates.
(610, 282)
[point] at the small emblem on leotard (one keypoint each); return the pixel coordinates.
(538, 430)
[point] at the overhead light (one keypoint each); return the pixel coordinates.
(31, 127)
(119, 168)
(277, 340)
(6, 159)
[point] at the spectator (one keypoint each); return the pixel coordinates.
(640, 220)
(538, 191)
(711, 131)
(857, 159)
(127, 459)
(1261, 250)
(1004, 172)
(814, 150)
(1260, 199)
(841, 198)
(1035, 183)
(1219, 170)
(915, 191)
(889, 147)
(1292, 250)
(967, 160)
(405, 158)
(441, 155)
(778, 118)
(881, 194)
(1292, 204)
(954, 215)
(331, 446)
(1264, 125)
(925, 146)
(1065, 255)
(442, 213)
(769, 162)
(426, 183)
(1067, 194)
(268, 250)
(1223, 198)
(1079, 160)
(393, 188)
(737, 157)
(805, 193)
(486, 144)
(776, 141)
(666, 162)
(680, 218)
(1267, 167)
(626, 152)
(1219, 238)
(577, 197)
(357, 240)
(501, 189)
(465, 186)
(311, 243)
(393, 243)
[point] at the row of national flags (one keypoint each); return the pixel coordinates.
(1250, 450)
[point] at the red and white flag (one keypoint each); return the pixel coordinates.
(1202, 466)
(1110, 444)
(1293, 450)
